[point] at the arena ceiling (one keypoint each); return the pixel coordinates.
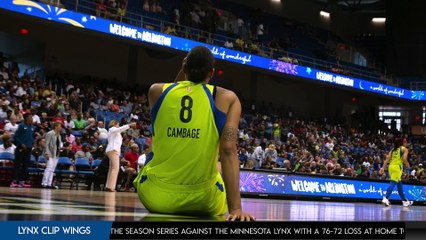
(371, 6)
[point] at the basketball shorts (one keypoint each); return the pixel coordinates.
(205, 199)
(395, 172)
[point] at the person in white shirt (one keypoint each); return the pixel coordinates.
(142, 158)
(69, 123)
(103, 133)
(7, 146)
(11, 126)
(20, 92)
(4, 73)
(258, 155)
(229, 44)
(36, 118)
(113, 152)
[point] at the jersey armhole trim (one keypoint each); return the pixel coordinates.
(154, 110)
(219, 116)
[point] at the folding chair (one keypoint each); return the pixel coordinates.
(64, 164)
(83, 168)
(6, 166)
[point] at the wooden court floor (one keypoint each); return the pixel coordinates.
(44, 204)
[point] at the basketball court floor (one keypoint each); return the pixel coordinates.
(78, 205)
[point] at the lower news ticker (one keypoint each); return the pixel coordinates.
(258, 230)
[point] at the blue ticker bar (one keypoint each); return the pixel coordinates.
(90, 22)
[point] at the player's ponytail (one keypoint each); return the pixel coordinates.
(397, 143)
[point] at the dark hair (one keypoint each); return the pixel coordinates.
(397, 143)
(26, 115)
(199, 62)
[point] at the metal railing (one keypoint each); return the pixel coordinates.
(418, 86)
(161, 25)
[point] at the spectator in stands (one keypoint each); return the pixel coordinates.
(43, 128)
(103, 133)
(84, 153)
(176, 16)
(51, 154)
(287, 165)
(77, 146)
(249, 164)
(158, 8)
(66, 151)
(258, 154)
(170, 30)
(4, 73)
(58, 118)
(146, 6)
(36, 118)
(270, 151)
(268, 163)
(69, 137)
(11, 127)
(69, 123)
(128, 162)
(23, 140)
(229, 44)
(259, 32)
(91, 127)
(243, 156)
(93, 144)
(101, 8)
(240, 24)
(79, 123)
(112, 9)
(38, 148)
(100, 152)
(195, 19)
(121, 10)
(8, 147)
(115, 107)
(239, 44)
(142, 160)
(375, 175)
(133, 132)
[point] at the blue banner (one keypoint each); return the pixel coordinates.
(82, 20)
(302, 185)
(40, 230)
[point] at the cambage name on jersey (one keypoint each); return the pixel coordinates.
(183, 132)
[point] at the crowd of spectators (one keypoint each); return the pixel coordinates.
(112, 9)
(317, 147)
(249, 33)
(75, 104)
(266, 141)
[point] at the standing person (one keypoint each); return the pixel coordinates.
(51, 153)
(23, 140)
(193, 123)
(395, 159)
(113, 152)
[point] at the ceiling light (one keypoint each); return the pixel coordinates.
(379, 20)
(324, 14)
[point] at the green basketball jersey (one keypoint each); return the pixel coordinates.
(396, 157)
(186, 129)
